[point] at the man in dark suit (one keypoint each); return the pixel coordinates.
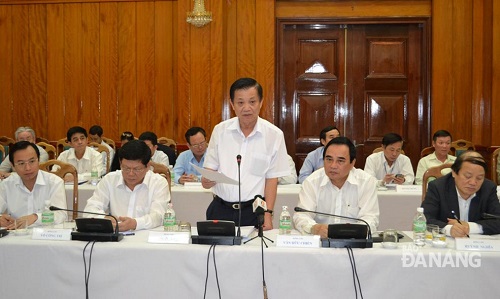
(457, 201)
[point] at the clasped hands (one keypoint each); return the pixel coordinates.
(459, 230)
(393, 179)
(124, 224)
(9, 222)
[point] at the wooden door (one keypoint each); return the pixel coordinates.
(366, 79)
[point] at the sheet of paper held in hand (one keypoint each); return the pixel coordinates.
(215, 176)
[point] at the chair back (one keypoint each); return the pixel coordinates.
(49, 148)
(41, 139)
(101, 148)
(62, 145)
(63, 169)
(110, 142)
(168, 142)
(2, 153)
(426, 151)
(379, 149)
(164, 172)
(495, 171)
(433, 172)
(6, 142)
(459, 146)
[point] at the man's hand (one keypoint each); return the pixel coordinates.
(321, 230)
(6, 221)
(4, 175)
(268, 222)
(389, 178)
(458, 230)
(188, 178)
(206, 183)
(126, 223)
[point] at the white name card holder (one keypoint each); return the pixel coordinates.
(477, 244)
(163, 237)
(58, 234)
(300, 241)
(409, 188)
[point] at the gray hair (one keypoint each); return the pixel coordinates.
(25, 129)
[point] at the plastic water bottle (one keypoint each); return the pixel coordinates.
(419, 227)
(169, 221)
(47, 216)
(94, 176)
(285, 221)
(172, 174)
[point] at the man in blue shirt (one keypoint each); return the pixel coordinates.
(197, 143)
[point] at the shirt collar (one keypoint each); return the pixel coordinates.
(351, 179)
(72, 154)
(235, 126)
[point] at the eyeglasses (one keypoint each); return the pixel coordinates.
(133, 170)
(127, 135)
(199, 145)
(24, 163)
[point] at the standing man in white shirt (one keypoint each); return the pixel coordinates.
(21, 134)
(262, 148)
(197, 143)
(95, 135)
(390, 166)
(84, 158)
(151, 141)
(338, 189)
(29, 191)
(135, 195)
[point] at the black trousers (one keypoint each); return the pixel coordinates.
(222, 210)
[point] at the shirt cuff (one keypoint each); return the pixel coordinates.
(475, 228)
(447, 230)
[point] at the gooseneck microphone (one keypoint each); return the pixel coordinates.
(238, 160)
(115, 236)
(354, 243)
(490, 216)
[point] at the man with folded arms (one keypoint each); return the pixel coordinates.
(22, 134)
(197, 143)
(263, 157)
(135, 195)
(456, 202)
(28, 192)
(337, 188)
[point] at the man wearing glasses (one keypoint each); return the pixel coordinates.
(197, 143)
(28, 192)
(136, 196)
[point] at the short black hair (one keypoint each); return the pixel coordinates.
(73, 130)
(96, 130)
(20, 146)
(245, 83)
(391, 138)
(135, 150)
(441, 133)
(345, 141)
(322, 134)
(127, 136)
(193, 131)
(149, 136)
(475, 158)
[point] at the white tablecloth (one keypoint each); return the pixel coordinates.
(190, 203)
(134, 268)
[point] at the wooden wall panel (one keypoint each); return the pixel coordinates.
(20, 58)
(6, 65)
(217, 67)
(183, 51)
(91, 114)
(495, 111)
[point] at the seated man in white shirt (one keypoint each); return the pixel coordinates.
(441, 142)
(135, 195)
(84, 158)
(314, 159)
(197, 143)
(21, 134)
(390, 166)
(95, 135)
(338, 188)
(151, 141)
(29, 191)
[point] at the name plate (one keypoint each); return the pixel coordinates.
(298, 241)
(162, 237)
(58, 234)
(477, 244)
(409, 188)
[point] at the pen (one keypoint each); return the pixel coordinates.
(456, 218)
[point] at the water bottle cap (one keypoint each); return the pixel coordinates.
(420, 209)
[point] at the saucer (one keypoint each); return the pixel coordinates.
(382, 189)
(439, 244)
(389, 245)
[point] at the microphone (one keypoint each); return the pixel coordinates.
(353, 243)
(489, 216)
(238, 160)
(93, 236)
(259, 205)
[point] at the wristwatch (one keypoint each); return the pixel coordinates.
(270, 212)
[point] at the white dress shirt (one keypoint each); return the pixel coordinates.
(377, 165)
(104, 156)
(160, 157)
(263, 156)
(91, 159)
(146, 203)
(431, 161)
(291, 178)
(464, 206)
(18, 201)
(357, 198)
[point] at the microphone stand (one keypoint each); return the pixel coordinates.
(238, 234)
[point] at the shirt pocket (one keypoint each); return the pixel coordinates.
(260, 164)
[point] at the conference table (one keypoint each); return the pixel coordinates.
(397, 209)
(134, 268)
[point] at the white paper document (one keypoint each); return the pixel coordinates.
(215, 176)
